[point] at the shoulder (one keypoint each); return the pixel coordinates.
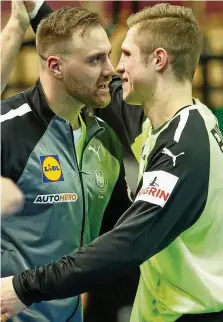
(13, 110)
(109, 139)
(183, 147)
(188, 131)
(12, 103)
(19, 134)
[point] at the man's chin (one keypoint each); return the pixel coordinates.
(102, 103)
(130, 99)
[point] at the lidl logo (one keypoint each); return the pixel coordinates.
(51, 168)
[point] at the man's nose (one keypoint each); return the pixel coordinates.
(109, 69)
(120, 68)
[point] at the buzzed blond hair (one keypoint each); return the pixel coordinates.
(54, 33)
(173, 28)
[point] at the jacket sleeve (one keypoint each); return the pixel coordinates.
(171, 198)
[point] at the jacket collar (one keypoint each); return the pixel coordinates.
(36, 99)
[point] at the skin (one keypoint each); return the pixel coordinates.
(79, 78)
(12, 198)
(137, 83)
(11, 39)
(153, 83)
(92, 65)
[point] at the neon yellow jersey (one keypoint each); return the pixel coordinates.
(186, 276)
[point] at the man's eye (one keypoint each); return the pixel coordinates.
(94, 60)
(126, 53)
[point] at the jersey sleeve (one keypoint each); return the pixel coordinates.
(43, 11)
(126, 120)
(118, 203)
(171, 198)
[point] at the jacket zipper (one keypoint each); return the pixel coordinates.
(83, 196)
(83, 221)
(80, 169)
(81, 180)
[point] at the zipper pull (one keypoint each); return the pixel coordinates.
(82, 172)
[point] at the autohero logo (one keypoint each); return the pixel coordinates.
(51, 168)
(56, 198)
(157, 187)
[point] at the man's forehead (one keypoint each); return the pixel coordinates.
(130, 38)
(94, 39)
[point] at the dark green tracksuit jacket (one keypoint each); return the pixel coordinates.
(66, 203)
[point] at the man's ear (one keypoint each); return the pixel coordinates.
(54, 63)
(162, 59)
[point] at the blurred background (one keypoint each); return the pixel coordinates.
(113, 303)
(208, 81)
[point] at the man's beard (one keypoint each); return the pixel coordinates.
(85, 95)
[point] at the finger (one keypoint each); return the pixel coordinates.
(16, 5)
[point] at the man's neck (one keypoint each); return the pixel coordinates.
(167, 102)
(61, 103)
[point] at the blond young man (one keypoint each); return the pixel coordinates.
(174, 228)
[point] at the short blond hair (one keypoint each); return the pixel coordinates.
(173, 28)
(55, 31)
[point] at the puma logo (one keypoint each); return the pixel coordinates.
(96, 152)
(170, 154)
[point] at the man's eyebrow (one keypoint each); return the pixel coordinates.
(99, 53)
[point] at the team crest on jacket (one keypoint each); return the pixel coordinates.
(100, 180)
(51, 168)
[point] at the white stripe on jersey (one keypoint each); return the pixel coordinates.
(98, 118)
(33, 14)
(183, 121)
(23, 109)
